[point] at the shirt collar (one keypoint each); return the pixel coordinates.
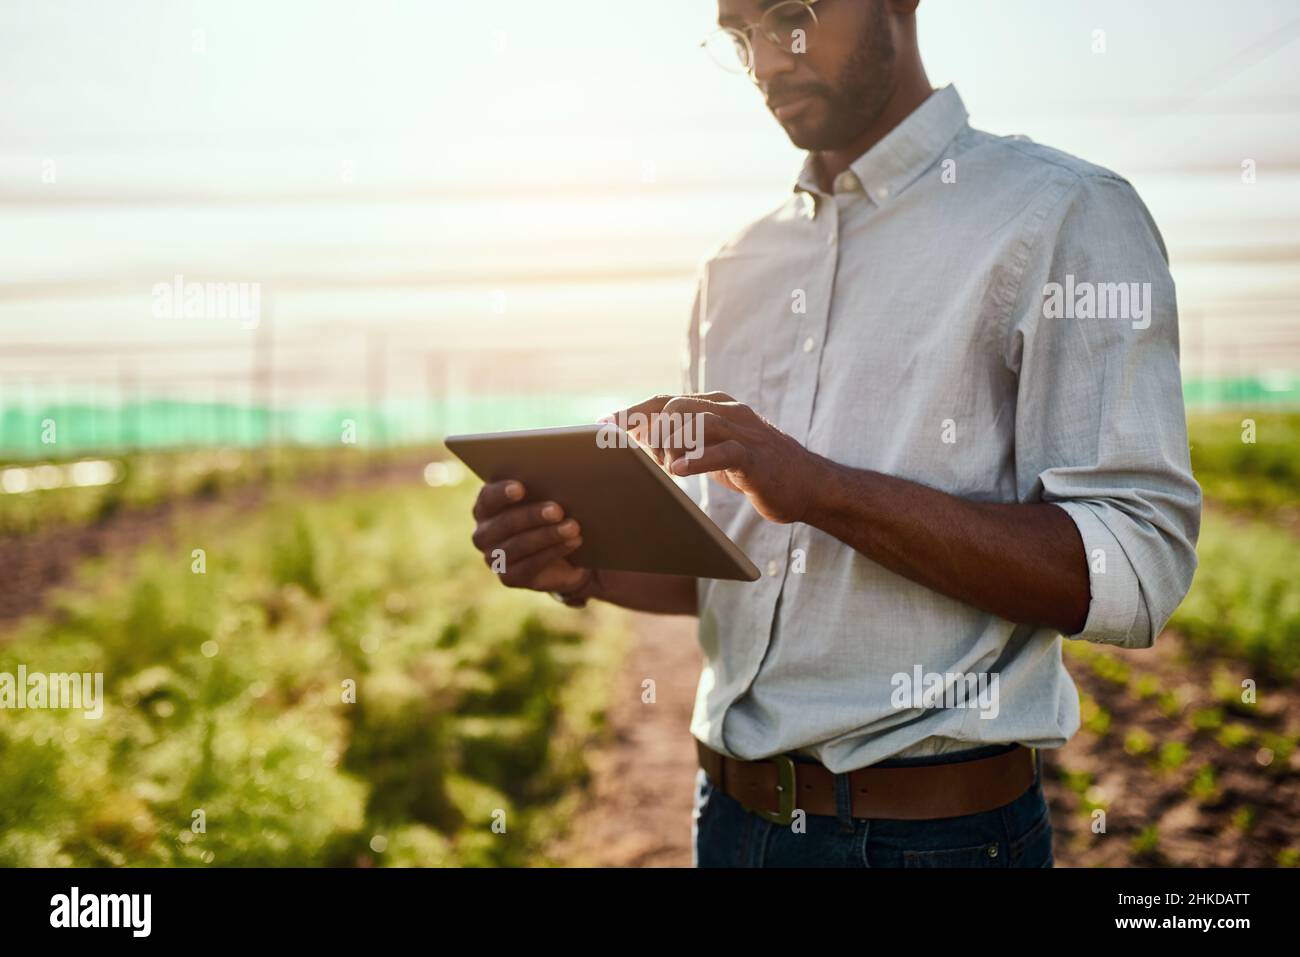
(907, 151)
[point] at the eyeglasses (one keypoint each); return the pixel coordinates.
(788, 26)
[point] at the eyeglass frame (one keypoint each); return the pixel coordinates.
(745, 33)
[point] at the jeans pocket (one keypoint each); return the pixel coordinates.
(1034, 847)
(992, 854)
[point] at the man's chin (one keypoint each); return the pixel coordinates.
(814, 130)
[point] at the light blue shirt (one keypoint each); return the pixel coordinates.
(981, 315)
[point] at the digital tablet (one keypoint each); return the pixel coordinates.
(634, 517)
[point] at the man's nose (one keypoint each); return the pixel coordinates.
(770, 60)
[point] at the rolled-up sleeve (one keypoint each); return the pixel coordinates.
(1100, 425)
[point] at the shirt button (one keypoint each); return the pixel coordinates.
(773, 568)
(808, 344)
(881, 194)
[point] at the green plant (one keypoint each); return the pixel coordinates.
(1146, 844)
(1258, 475)
(1206, 719)
(1205, 785)
(1243, 602)
(1172, 755)
(1138, 742)
(346, 684)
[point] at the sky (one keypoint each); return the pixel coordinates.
(450, 93)
(473, 182)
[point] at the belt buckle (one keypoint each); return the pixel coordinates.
(785, 788)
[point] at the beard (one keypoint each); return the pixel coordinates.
(841, 112)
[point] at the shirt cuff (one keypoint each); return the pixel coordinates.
(1116, 603)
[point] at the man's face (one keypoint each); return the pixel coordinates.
(826, 95)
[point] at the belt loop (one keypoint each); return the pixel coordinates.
(844, 802)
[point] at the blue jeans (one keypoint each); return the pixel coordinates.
(1018, 834)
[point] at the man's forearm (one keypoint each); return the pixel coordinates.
(640, 591)
(1025, 563)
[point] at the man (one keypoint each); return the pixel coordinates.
(942, 410)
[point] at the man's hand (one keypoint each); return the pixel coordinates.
(525, 543)
(713, 433)
(528, 543)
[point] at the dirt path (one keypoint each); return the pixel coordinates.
(637, 811)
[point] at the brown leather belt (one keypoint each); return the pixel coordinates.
(774, 788)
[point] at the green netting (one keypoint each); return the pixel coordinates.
(55, 430)
(60, 429)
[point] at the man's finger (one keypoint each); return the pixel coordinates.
(645, 408)
(494, 496)
(519, 547)
(522, 573)
(649, 421)
(490, 532)
(683, 404)
(692, 436)
(716, 458)
(653, 406)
